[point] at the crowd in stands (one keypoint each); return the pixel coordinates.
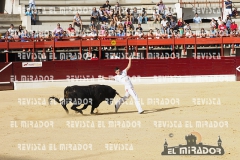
(108, 21)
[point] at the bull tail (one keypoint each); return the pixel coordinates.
(56, 99)
(119, 94)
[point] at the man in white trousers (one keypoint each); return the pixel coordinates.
(122, 77)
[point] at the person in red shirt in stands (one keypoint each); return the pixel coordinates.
(94, 57)
(233, 26)
(71, 29)
(222, 27)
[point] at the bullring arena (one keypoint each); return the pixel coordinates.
(142, 135)
(186, 80)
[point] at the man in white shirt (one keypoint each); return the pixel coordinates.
(122, 77)
(77, 21)
(164, 22)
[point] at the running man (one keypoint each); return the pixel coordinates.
(122, 77)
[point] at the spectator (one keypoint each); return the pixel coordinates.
(140, 18)
(128, 14)
(32, 4)
(77, 21)
(107, 5)
(11, 30)
(58, 30)
(156, 16)
(234, 33)
(228, 22)
(222, 27)
(134, 15)
(102, 15)
(29, 13)
(112, 25)
(129, 33)
(188, 33)
(104, 25)
(161, 8)
(213, 23)
(65, 35)
(120, 26)
(150, 34)
(20, 29)
(118, 9)
(120, 33)
(120, 21)
(197, 19)
(233, 26)
(164, 22)
(168, 13)
(213, 33)
(34, 16)
(8, 38)
(34, 36)
(101, 31)
(95, 15)
(235, 13)
(16, 37)
(139, 27)
(203, 33)
(180, 23)
(115, 17)
(228, 9)
(173, 24)
(144, 15)
(127, 22)
(70, 29)
(112, 33)
(187, 27)
(219, 21)
(94, 57)
(25, 38)
(129, 28)
(139, 33)
(158, 34)
(111, 13)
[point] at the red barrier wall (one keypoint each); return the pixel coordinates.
(143, 68)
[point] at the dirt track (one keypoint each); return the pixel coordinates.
(137, 135)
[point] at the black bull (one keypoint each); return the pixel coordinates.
(88, 95)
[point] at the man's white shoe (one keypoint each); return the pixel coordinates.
(141, 112)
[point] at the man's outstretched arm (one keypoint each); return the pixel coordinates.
(108, 78)
(129, 64)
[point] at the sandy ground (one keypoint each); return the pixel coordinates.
(141, 140)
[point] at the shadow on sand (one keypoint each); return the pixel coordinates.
(125, 112)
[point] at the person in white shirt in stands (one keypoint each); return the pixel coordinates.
(123, 78)
(77, 21)
(32, 4)
(197, 19)
(11, 30)
(164, 23)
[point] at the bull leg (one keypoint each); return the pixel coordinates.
(64, 105)
(74, 107)
(84, 107)
(93, 107)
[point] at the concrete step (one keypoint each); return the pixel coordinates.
(9, 17)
